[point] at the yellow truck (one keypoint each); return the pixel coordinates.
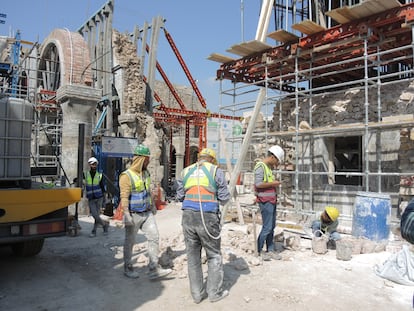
(30, 211)
(28, 216)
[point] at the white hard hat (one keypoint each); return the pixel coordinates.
(278, 152)
(93, 160)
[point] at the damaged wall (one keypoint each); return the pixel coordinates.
(136, 121)
(134, 118)
(346, 108)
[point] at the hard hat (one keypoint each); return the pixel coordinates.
(332, 212)
(93, 160)
(208, 152)
(278, 152)
(142, 150)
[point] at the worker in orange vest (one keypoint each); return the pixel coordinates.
(201, 189)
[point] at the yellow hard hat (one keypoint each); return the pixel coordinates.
(208, 152)
(332, 212)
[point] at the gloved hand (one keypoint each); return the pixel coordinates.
(128, 220)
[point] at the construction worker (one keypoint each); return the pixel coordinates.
(139, 210)
(327, 223)
(202, 188)
(265, 186)
(95, 190)
(407, 222)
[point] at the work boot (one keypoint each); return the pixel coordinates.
(159, 273)
(222, 295)
(93, 234)
(331, 244)
(203, 296)
(265, 256)
(130, 273)
(274, 255)
(105, 228)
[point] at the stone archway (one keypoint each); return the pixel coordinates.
(66, 77)
(64, 59)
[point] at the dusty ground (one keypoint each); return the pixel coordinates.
(82, 273)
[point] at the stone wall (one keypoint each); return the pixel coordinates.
(135, 119)
(341, 109)
(346, 107)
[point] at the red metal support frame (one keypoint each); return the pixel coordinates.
(169, 84)
(183, 116)
(387, 29)
(184, 66)
(187, 143)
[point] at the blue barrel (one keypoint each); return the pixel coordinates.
(371, 215)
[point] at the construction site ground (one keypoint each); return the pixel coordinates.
(83, 273)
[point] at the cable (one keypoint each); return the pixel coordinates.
(201, 207)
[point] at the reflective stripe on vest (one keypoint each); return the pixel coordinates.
(92, 185)
(267, 194)
(140, 198)
(198, 182)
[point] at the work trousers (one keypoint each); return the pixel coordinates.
(266, 235)
(146, 222)
(95, 206)
(196, 238)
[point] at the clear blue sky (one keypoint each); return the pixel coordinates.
(197, 27)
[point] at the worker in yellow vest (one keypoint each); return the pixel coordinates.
(266, 196)
(139, 210)
(202, 188)
(95, 190)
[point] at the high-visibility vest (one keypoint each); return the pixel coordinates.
(266, 194)
(140, 197)
(92, 185)
(200, 187)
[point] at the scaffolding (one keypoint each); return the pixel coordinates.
(23, 76)
(328, 92)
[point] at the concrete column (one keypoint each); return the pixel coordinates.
(179, 145)
(78, 104)
(179, 164)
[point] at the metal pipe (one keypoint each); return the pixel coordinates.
(366, 104)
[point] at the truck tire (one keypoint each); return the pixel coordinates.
(28, 248)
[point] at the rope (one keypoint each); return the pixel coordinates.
(201, 208)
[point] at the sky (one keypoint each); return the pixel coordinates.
(197, 27)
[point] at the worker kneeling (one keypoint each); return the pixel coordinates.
(327, 223)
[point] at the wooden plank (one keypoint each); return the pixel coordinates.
(372, 7)
(341, 15)
(215, 57)
(283, 36)
(255, 46)
(308, 27)
(247, 48)
(361, 10)
(238, 50)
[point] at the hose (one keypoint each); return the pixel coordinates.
(201, 207)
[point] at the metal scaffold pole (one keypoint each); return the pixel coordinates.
(260, 36)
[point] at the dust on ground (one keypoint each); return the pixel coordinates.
(82, 273)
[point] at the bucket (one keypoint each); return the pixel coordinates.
(320, 244)
(344, 250)
(370, 216)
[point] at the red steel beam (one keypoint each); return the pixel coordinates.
(169, 84)
(280, 60)
(184, 66)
